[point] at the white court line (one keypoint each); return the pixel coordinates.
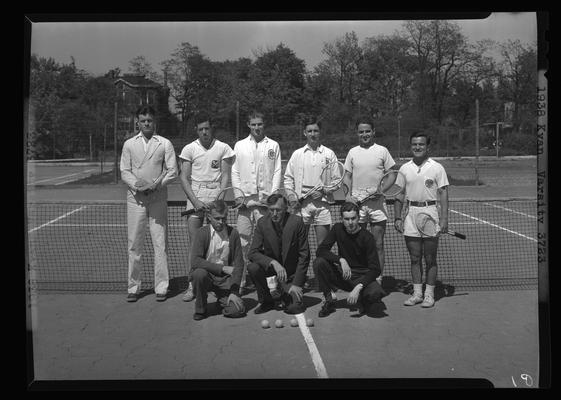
(316, 358)
(56, 219)
(79, 173)
(495, 226)
(513, 211)
(60, 177)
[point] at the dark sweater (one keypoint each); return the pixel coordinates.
(358, 249)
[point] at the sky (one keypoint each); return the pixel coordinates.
(98, 47)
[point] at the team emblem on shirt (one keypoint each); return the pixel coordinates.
(214, 164)
(429, 183)
(271, 154)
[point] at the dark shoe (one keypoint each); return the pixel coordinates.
(161, 297)
(199, 316)
(327, 308)
(132, 297)
(264, 307)
(290, 305)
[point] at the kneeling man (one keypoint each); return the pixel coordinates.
(217, 262)
(354, 269)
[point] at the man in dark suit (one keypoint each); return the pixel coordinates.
(279, 248)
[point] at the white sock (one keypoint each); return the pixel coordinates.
(429, 290)
(272, 282)
(418, 289)
(333, 296)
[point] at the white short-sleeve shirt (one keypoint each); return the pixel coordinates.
(422, 182)
(367, 166)
(206, 163)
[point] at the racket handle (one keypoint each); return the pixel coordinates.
(187, 212)
(456, 234)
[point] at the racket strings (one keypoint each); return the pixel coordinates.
(233, 197)
(426, 225)
(332, 175)
(395, 188)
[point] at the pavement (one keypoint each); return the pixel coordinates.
(478, 335)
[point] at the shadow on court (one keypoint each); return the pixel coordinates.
(441, 290)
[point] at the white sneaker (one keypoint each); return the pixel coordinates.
(415, 299)
(189, 295)
(428, 302)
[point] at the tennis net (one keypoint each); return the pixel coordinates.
(82, 246)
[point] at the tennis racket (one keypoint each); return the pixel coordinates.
(427, 226)
(232, 196)
(330, 178)
(391, 185)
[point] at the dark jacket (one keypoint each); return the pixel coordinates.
(199, 250)
(292, 251)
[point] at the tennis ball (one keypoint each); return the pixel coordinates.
(278, 323)
(265, 324)
(293, 322)
(310, 322)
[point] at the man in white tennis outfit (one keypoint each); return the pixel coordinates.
(257, 172)
(147, 166)
(205, 170)
(365, 165)
(303, 173)
(426, 186)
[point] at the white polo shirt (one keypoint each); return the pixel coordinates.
(367, 166)
(422, 182)
(206, 163)
(257, 167)
(304, 167)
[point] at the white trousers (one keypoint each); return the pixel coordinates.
(155, 215)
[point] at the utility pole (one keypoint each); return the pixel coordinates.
(476, 142)
(237, 121)
(497, 139)
(115, 142)
(399, 137)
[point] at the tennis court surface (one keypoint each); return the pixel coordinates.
(484, 324)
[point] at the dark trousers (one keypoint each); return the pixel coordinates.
(330, 276)
(203, 283)
(259, 277)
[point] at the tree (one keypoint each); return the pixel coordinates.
(140, 66)
(441, 51)
(277, 80)
(193, 81)
(518, 81)
(386, 72)
(344, 56)
(475, 80)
